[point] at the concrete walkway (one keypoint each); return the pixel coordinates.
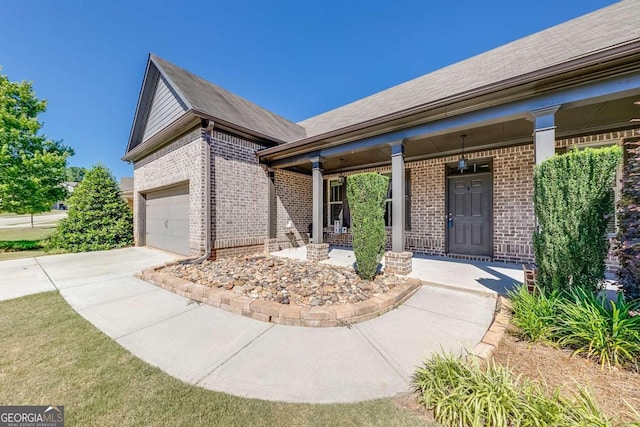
(225, 352)
(484, 278)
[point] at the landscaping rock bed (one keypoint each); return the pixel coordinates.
(284, 280)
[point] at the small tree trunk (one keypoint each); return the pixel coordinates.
(31, 220)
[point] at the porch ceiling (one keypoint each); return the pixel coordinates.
(570, 121)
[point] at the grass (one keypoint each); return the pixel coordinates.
(50, 355)
(25, 233)
(600, 329)
(616, 390)
(536, 313)
(23, 242)
(592, 326)
(470, 394)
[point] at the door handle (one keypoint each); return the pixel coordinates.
(450, 220)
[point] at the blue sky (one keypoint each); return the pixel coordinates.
(295, 58)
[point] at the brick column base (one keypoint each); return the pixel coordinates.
(271, 245)
(317, 251)
(398, 262)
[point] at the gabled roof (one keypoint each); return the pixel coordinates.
(212, 100)
(201, 98)
(613, 30)
(606, 28)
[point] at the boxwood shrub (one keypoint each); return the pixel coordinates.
(366, 193)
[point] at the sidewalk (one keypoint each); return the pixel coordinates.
(225, 352)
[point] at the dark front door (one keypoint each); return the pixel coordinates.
(469, 214)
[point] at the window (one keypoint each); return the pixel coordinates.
(388, 213)
(337, 207)
(336, 198)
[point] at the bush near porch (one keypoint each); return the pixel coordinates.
(366, 193)
(572, 199)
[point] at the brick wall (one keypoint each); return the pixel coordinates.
(596, 139)
(182, 160)
(294, 199)
(513, 216)
(240, 196)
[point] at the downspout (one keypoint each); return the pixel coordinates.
(207, 134)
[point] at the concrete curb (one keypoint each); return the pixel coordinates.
(487, 346)
(284, 314)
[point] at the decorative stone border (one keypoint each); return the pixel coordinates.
(485, 348)
(283, 314)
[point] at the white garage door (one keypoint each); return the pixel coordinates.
(167, 220)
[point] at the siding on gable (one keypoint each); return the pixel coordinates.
(165, 109)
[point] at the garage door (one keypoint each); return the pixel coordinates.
(167, 220)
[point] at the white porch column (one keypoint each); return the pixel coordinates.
(397, 194)
(317, 199)
(544, 132)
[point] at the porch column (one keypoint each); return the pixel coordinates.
(317, 199)
(318, 250)
(397, 261)
(544, 132)
(271, 243)
(397, 194)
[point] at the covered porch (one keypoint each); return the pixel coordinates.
(482, 278)
(461, 177)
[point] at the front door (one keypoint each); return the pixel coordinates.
(469, 214)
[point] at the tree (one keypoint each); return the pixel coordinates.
(628, 247)
(572, 199)
(32, 167)
(366, 193)
(75, 173)
(98, 219)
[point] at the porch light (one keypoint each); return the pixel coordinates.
(462, 163)
(342, 177)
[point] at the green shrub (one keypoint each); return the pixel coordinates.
(604, 330)
(98, 217)
(366, 193)
(628, 247)
(572, 198)
(598, 328)
(466, 394)
(20, 245)
(534, 313)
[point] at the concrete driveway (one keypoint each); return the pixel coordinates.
(225, 352)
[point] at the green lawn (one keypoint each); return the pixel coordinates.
(27, 234)
(50, 355)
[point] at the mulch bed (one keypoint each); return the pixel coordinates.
(286, 281)
(556, 367)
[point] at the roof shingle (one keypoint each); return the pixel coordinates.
(210, 99)
(604, 28)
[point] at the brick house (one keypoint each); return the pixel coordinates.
(216, 175)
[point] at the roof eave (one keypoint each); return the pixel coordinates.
(594, 58)
(263, 138)
(185, 122)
